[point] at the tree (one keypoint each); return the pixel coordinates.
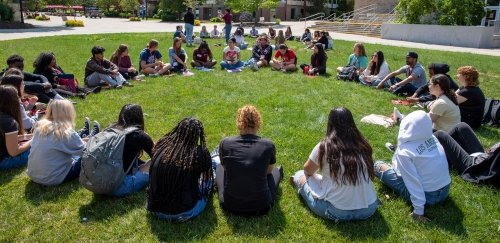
(318, 6)
(410, 11)
(107, 4)
(251, 5)
(172, 6)
(129, 6)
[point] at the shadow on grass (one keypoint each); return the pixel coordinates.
(448, 217)
(104, 207)
(193, 230)
(488, 132)
(38, 194)
(372, 228)
(8, 175)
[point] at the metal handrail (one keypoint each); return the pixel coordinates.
(313, 17)
(351, 14)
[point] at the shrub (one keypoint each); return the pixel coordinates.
(197, 22)
(134, 19)
(216, 20)
(166, 16)
(277, 21)
(158, 14)
(111, 13)
(42, 17)
(74, 23)
(6, 12)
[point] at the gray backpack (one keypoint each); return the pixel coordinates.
(102, 161)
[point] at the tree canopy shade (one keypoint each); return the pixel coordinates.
(444, 12)
(251, 5)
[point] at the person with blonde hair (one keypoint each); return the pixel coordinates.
(246, 179)
(56, 147)
(470, 97)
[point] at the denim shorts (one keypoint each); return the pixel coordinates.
(396, 183)
(326, 210)
(132, 183)
(15, 162)
(184, 216)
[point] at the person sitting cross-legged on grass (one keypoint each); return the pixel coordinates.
(99, 69)
(318, 61)
(122, 60)
(246, 179)
(419, 171)
(17, 82)
(287, 62)
(262, 53)
(14, 149)
(202, 57)
(357, 59)
(377, 70)
(177, 55)
(181, 176)
(56, 148)
(344, 190)
(231, 56)
(150, 62)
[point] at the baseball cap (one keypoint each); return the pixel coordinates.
(412, 54)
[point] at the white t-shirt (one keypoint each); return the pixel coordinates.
(231, 55)
(384, 71)
(239, 39)
(448, 112)
(344, 197)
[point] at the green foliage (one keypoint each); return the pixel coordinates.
(111, 13)
(250, 5)
(444, 12)
(35, 5)
(130, 6)
(6, 12)
(317, 6)
(216, 20)
(74, 23)
(168, 16)
(172, 6)
(42, 17)
(134, 19)
(197, 22)
(277, 21)
(108, 4)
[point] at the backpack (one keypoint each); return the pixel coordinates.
(102, 161)
(348, 73)
(491, 114)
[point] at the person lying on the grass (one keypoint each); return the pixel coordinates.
(34, 83)
(181, 176)
(122, 60)
(150, 61)
(231, 58)
(343, 191)
(247, 181)
(17, 82)
(318, 61)
(99, 69)
(284, 59)
(46, 65)
(377, 70)
(466, 155)
(202, 57)
(422, 94)
(262, 53)
(419, 171)
(177, 55)
(415, 77)
(56, 148)
(14, 146)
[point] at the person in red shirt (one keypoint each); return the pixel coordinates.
(202, 57)
(287, 59)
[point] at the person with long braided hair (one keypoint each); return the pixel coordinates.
(181, 177)
(246, 179)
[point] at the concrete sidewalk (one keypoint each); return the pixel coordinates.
(115, 25)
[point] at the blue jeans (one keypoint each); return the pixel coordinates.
(326, 210)
(189, 33)
(396, 183)
(407, 89)
(15, 162)
(225, 65)
(227, 29)
(132, 183)
(95, 79)
(74, 172)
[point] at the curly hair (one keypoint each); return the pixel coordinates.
(248, 117)
(470, 74)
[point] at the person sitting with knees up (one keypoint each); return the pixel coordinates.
(344, 190)
(306, 38)
(150, 61)
(202, 57)
(215, 34)
(288, 33)
(419, 171)
(122, 60)
(231, 56)
(422, 94)
(178, 57)
(470, 97)
(254, 33)
(318, 61)
(287, 62)
(181, 176)
(14, 144)
(246, 179)
(279, 39)
(262, 53)
(415, 77)
(17, 82)
(99, 69)
(376, 71)
(204, 33)
(357, 59)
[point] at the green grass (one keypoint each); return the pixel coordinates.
(295, 110)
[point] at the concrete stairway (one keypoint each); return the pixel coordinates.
(368, 24)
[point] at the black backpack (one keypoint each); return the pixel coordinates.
(348, 73)
(491, 112)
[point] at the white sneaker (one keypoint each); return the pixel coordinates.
(390, 147)
(154, 75)
(397, 114)
(140, 76)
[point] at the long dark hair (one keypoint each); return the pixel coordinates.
(116, 57)
(180, 153)
(9, 104)
(43, 61)
(16, 81)
(344, 150)
(174, 46)
(130, 115)
(444, 84)
(375, 69)
(321, 51)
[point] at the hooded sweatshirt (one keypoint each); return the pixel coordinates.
(420, 159)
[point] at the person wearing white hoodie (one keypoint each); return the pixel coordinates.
(419, 171)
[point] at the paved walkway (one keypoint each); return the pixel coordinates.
(114, 25)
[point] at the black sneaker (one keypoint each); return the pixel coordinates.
(81, 95)
(85, 131)
(282, 174)
(96, 129)
(390, 147)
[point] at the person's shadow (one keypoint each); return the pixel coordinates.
(193, 230)
(8, 175)
(37, 194)
(103, 207)
(447, 216)
(488, 132)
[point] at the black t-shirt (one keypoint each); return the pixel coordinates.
(266, 51)
(135, 142)
(8, 125)
(472, 109)
(246, 159)
(189, 18)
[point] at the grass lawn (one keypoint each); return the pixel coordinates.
(295, 110)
